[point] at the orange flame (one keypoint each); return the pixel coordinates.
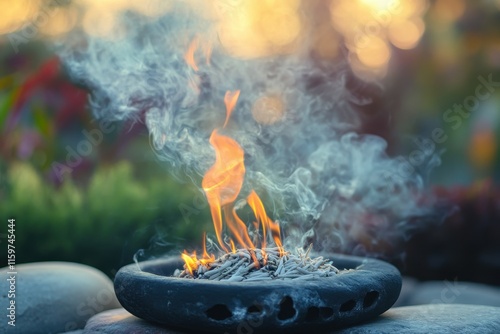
(230, 99)
(223, 181)
(189, 55)
(222, 184)
(206, 258)
(206, 49)
(191, 261)
(233, 246)
(260, 214)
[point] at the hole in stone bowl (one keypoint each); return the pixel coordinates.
(348, 306)
(218, 312)
(315, 313)
(255, 309)
(326, 312)
(287, 310)
(312, 313)
(370, 299)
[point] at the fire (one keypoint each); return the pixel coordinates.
(222, 184)
(260, 213)
(189, 55)
(191, 261)
(223, 181)
(230, 99)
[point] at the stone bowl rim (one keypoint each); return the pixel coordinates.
(357, 264)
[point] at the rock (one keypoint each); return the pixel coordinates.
(436, 318)
(407, 290)
(454, 292)
(55, 297)
(119, 321)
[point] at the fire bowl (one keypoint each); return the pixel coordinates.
(197, 305)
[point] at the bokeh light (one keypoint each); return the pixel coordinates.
(374, 53)
(449, 10)
(483, 148)
(97, 17)
(370, 27)
(268, 109)
(16, 13)
(260, 28)
(62, 21)
(405, 34)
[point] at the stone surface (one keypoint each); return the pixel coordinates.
(467, 319)
(435, 318)
(453, 292)
(55, 297)
(407, 290)
(119, 321)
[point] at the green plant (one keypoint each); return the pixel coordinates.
(102, 224)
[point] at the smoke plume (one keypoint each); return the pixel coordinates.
(295, 120)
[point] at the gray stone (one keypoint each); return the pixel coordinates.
(119, 321)
(55, 297)
(439, 318)
(454, 292)
(407, 290)
(436, 319)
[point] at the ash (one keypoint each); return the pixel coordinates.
(241, 266)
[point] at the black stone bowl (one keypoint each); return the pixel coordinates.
(274, 306)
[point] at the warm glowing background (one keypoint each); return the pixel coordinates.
(369, 30)
(413, 59)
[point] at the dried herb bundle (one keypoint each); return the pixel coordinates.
(242, 266)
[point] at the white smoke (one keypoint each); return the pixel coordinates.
(320, 175)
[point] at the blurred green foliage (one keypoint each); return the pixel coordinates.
(102, 224)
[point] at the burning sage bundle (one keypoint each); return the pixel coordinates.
(260, 264)
(253, 261)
